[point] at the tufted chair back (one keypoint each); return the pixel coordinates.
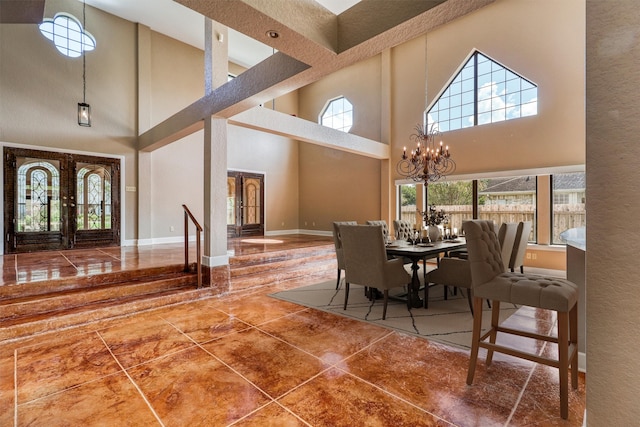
(337, 241)
(485, 253)
(385, 228)
(507, 238)
(520, 246)
(403, 229)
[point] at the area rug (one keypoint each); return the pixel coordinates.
(446, 321)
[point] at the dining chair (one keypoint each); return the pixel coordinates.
(520, 246)
(337, 242)
(367, 264)
(507, 238)
(402, 229)
(491, 281)
(385, 228)
(455, 272)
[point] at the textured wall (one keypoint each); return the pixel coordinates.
(613, 212)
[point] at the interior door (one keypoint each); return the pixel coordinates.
(245, 204)
(59, 201)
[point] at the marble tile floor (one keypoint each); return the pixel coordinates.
(52, 265)
(246, 359)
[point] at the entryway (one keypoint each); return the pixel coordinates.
(59, 201)
(245, 204)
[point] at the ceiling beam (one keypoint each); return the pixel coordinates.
(306, 53)
(21, 11)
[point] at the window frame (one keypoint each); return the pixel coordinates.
(466, 73)
(340, 114)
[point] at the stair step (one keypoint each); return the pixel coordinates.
(68, 298)
(273, 276)
(97, 313)
(87, 281)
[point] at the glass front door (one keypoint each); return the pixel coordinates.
(245, 204)
(59, 201)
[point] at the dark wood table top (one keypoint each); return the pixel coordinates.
(420, 250)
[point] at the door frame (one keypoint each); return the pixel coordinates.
(122, 186)
(236, 230)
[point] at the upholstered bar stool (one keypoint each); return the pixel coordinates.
(492, 282)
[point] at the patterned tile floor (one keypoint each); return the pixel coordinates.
(250, 360)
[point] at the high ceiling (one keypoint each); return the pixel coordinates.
(285, 44)
(181, 23)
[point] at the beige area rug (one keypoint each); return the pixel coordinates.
(448, 322)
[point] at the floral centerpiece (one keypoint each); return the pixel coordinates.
(432, 216)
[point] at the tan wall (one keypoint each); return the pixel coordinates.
(613, 206)
(40, 89)
(277, 158)
(178, 169)
(177, 76)
(337, 186)
(360, 84)
(543, 41)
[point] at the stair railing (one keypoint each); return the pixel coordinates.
(188, 215)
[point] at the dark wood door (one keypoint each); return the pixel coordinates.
(59, 201)
(245, 204)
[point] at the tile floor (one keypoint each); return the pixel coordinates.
(250, 360)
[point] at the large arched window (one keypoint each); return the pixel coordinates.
(482, 92)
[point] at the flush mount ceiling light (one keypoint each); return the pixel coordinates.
(273, 34)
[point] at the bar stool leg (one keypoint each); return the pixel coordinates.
(573, 337)
(563, 359)
(475, 338)
(495, 321)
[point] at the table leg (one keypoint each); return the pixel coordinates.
(413, 294)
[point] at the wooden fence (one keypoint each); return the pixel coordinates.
(564, 216)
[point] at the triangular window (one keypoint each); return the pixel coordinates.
(484, 91)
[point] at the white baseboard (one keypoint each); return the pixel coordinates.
(582, 362)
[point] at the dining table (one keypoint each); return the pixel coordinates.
(417, 251)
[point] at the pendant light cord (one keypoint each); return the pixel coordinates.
(84, 61)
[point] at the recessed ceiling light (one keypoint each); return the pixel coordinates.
(273, 34)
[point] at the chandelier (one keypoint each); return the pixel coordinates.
(429, 161)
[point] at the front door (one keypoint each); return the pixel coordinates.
(245, 204)
(59, 201)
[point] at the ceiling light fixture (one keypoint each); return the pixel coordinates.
(428, 162)
(84, 109)
(273, 34)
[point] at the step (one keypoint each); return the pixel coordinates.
(98, 314)
(278, 256)
(59, 300)
(282, 271)
(89, 280)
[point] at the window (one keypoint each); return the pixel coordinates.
(67, 34)
(455, 198)
(568, 193)
(407, 203)
(338, 114)
(483, 92)
(511, 199)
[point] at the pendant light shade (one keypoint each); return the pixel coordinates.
(84, 114)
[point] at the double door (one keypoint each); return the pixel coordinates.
(245, 204)
(59, 201)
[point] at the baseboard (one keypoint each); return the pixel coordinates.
(582, 362)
